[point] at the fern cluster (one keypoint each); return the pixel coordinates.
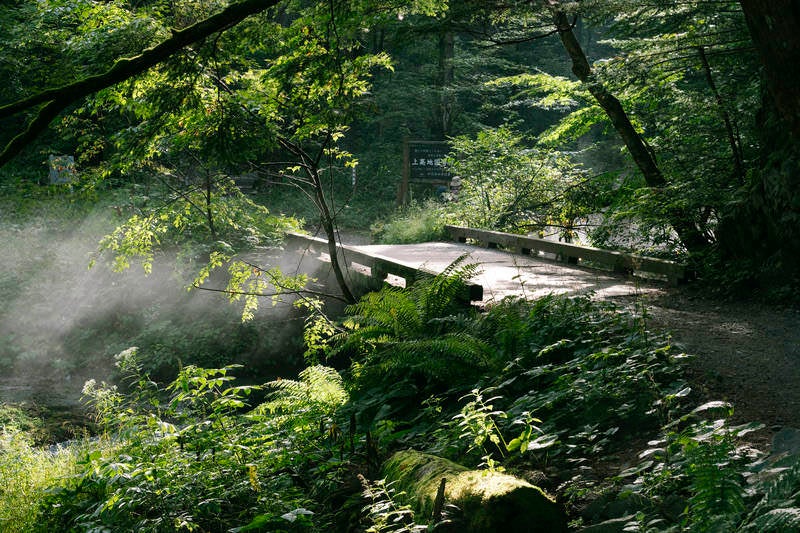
(319, 391)
(716, 485)
(420, 332)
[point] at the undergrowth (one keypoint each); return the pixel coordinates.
(417, 222)
(27, 473)
(575, 394)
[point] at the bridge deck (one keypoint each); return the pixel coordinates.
(506, 274)
(501, 273)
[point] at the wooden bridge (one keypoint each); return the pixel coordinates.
(510, 265)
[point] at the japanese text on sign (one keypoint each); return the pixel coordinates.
(427, 161)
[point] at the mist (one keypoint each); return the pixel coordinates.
(62, 323)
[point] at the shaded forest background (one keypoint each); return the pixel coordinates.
(677, 121)
(190, 135)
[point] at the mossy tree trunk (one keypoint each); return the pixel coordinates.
(488, 501)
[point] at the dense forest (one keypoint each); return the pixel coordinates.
(172, 144)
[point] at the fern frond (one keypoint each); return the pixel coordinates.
(391, 308)
(717, 501)
(450, 357)
(364, 334)
(319, 388)
(325, 385)
(439, 296)
(777, 520)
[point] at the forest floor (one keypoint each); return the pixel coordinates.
(746, 353)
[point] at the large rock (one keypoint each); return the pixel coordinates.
(489, 501)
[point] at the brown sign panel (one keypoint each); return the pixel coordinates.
(423, 162)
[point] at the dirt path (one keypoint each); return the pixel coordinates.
(746, 353)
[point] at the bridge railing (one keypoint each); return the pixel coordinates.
(378, 266)
(672, 271)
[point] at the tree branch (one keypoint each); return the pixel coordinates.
(301, 293)
(60, 98)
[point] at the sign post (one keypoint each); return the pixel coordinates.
(62, 169)
(424, 163)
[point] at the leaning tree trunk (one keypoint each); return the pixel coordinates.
(763, 229)
(681, 221)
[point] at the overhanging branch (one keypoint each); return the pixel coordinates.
(301, 293)
(60, 98)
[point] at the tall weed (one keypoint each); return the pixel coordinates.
(27, 473)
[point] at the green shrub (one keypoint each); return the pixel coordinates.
(413, 223)
(507, 186)
(192, 457)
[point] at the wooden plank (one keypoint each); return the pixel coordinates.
(617, 261)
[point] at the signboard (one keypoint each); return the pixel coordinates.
(62, 168)
(423, 162)
(426, 162)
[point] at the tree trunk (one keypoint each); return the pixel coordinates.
(691, 237)
(774, 27)
(733, 142)
(327, 220)
(444, 81)
(488, 501)
(763, 230)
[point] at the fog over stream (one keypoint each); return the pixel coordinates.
(62, 323)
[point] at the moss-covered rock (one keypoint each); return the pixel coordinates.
(489, 501)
